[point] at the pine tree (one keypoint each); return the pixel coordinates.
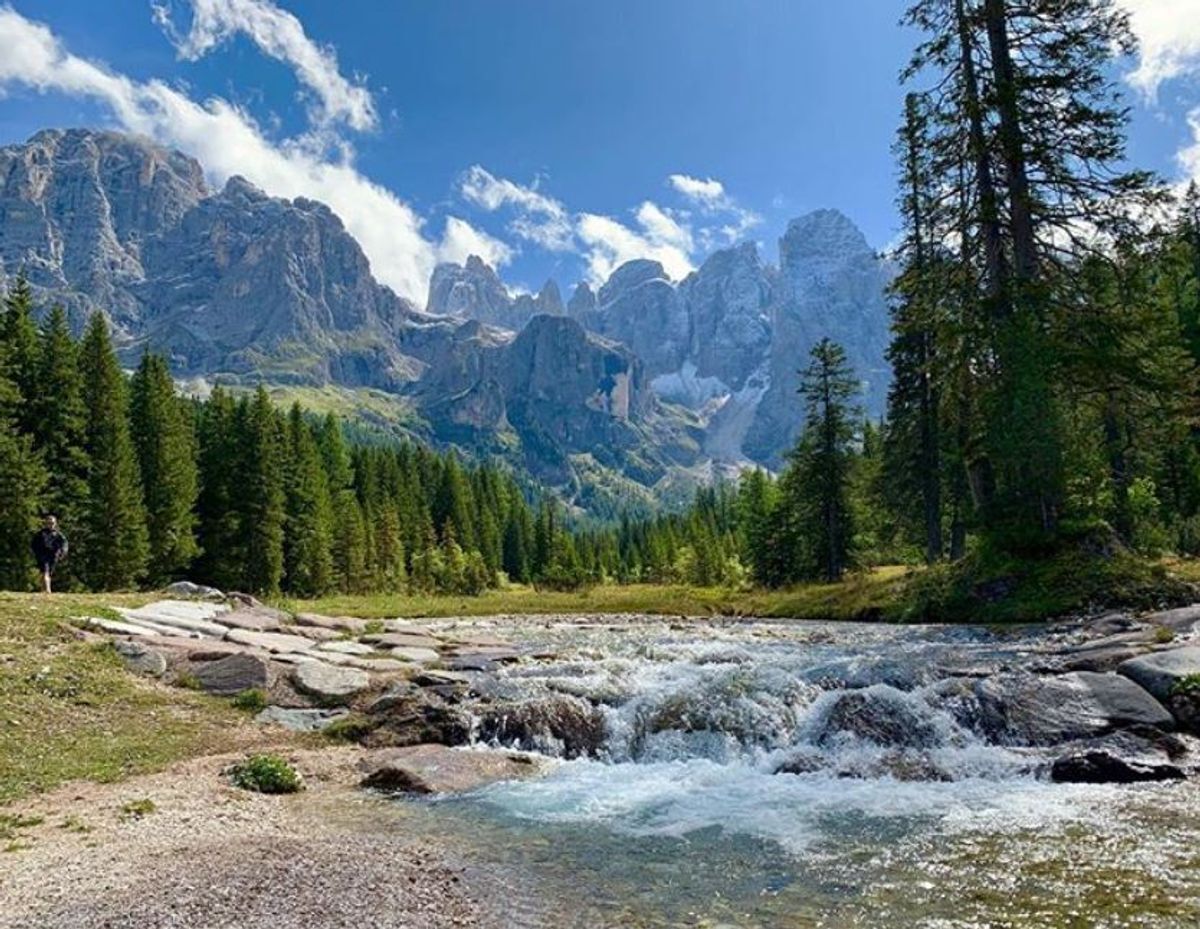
(111, 547)
(307, 558)
(165, 441)
(21, 484)
(19, 335)
(822, 462)
(260, 497)
(218, 520)
(60, 432)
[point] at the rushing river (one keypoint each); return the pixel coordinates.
(687, 820)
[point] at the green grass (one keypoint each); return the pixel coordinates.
(863, 595)
(69, 709)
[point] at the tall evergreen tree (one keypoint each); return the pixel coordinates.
(260, 499)
(165, 441)
(60, 431)
(308, 526)
(822, 463)
(111, 544)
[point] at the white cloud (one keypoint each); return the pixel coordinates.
(462, 240)
(540, 219)
(1168, 34)
(708, 191)
(671, 237)
(227, 141)
(280, 35)
(609, 243)
(1189, 157)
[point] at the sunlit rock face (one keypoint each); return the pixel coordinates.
(77, 207)
(729, 340)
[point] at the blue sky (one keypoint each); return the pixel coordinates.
(557, 138)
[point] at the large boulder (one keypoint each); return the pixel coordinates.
(141, 658)
(1028, 709)
(329, 683)
(878, 714)
(1123, 758)
(436, 769)
(232, 674)
(1161, 672)
(559, 725)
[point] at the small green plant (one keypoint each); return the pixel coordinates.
(352, 728)
(252, 700)
(134, 810)
(188, 681)
(1163, 635)
(374, 627)
(74, 824)
(266, 774)
(12, 823)
(1189, 684)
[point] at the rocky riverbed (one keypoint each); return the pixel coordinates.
(641, 751)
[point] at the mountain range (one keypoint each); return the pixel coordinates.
(617, 394)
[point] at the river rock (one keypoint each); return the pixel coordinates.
(270, 641)
(232, 674)
(194, 591)
(417, 655)
(300, 720)
(1161, 671)
(1122, 758)
(328, 683)
(436, 769)
(141, 659)
(315, 633)
(878, 714)
(252, 619)
(557, 725)
(1027, 709)
(345, 647)
(337, 623)
(1182, 621)
(420, 717)
(402, 640)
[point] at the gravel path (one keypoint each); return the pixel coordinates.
(210, 856)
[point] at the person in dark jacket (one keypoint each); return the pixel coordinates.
(49, 548)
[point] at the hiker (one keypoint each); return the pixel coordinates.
(49, 548)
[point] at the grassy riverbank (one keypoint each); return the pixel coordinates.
(69, 710)
(863, 595)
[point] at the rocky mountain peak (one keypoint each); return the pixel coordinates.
(582, 300)
(820, 234)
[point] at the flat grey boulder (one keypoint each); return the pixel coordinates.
(1159, 672)
(1027, 709)
(252, 619)
(1182, 621)
(141, 659)
(346, 647)
(401, 640)
(337, 623)
(299, 720)
(329, 683)
(194, 591)
(232, 674)
(418, 655)
(270, 641)
(437, 769)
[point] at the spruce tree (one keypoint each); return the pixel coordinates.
(60, 431)
(822, 462)
(307, 558)
(218, 520)
(111, 544)
(259, 496)
(165, 441)
(19, 334)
